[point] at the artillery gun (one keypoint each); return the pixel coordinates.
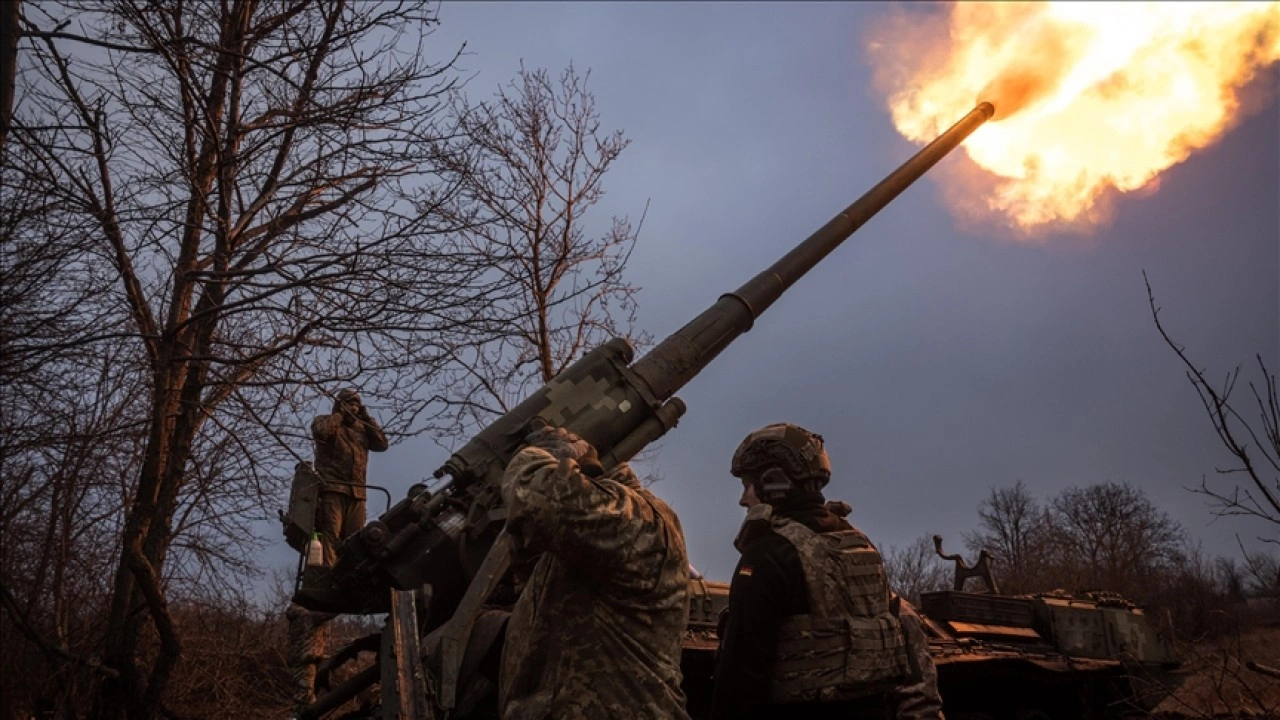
(434, 561)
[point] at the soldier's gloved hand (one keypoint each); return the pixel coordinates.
(563, 444)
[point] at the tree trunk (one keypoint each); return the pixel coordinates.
(181, 372)
(9, 32)
(122, 696)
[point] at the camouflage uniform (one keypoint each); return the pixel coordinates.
(343, 441)
(918, 700)
(308, 643)
(597, 630)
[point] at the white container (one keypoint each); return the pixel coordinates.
(315, 552)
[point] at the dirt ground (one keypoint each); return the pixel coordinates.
(1214, 682)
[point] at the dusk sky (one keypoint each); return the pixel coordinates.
(937, 362)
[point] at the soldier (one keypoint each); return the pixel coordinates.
(807, 581)
(343, 441)
(598, 627)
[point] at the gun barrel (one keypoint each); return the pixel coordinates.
(676, 360)
(619, 406)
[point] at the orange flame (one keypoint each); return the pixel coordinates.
(1090, 98)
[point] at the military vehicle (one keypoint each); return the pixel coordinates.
(437, 559)
(1053, 656)
(1058, 656)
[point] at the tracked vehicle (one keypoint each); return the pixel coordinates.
(1051, 656)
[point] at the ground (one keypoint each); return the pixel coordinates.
(1214, 683)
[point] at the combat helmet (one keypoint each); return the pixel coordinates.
(343, 396)
(781, 458)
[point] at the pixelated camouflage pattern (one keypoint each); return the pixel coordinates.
(597, 630)
(918, 699)
(850, 644)
(308, 644)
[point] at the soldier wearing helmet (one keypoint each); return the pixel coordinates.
(812, 629)
(343, 441)
(780, 461)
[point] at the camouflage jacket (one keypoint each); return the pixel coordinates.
(342, 452)
(919, 700)
(597, 630)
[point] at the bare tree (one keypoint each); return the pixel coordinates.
(1110, 536)
(1106, 536)
(240, 204)
(1260, 573)
(1013, 526)
(60, 483)
(70, 441)
(531, 164)
(1255, 444)
(915, 569)
(1200, 597)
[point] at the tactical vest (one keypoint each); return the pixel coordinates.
(850, 644)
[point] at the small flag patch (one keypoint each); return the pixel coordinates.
(746, 570)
